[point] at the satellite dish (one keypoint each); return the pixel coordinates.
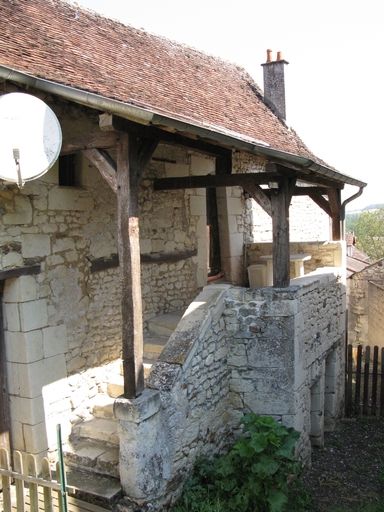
(30, 138)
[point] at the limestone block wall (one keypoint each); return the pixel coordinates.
(283, 342)
(323, 254)
(36, 365)
(277, 352)
(315, 227)
(359, 303)
(375, 314)
(66, 320)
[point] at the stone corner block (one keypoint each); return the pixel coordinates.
(138, 409)
(163, 376)
(22, 289)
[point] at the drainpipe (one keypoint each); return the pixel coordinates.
(342, 212)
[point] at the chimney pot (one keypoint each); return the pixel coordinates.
(279, 56)
(269, 55)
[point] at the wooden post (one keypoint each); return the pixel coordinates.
(334, 196)
(129, 258)
(280, 201)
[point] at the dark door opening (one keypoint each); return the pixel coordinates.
(214, 256)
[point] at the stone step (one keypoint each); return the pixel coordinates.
(164, 325)
(100, 490)
(153, 346)
(115, 386)
(92, 456)
(98, 429)
(103, 407)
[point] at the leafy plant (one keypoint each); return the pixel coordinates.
(368, 227)
(258, 474)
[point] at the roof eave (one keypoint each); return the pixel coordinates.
(145, 116)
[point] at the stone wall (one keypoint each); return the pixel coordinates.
(375, 314)
(271, 351)
(63, 326)
(323, 254)
(185, 411)
(362, 306)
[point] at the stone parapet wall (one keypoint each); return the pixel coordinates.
(184, 413)
(279, 345)
(270, 351)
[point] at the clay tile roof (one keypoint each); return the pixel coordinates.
(69, 45)
(354, 265)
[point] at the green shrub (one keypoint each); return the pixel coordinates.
(258, 474)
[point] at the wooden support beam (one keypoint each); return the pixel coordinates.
(129, 258)
(280, 201)
(214, 181)
(259, 195)
(334, 197)
(96, 140)
(132, 156)
(100, 264)
(322, 202)
(304, 175)
(29, 270)
(104, 164)
(111, 122)
(309, 191)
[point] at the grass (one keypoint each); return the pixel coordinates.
(215, 505)
(362, 507)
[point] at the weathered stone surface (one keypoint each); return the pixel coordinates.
(138, 409)
(163, 376)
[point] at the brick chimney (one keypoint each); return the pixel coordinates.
(274, 84)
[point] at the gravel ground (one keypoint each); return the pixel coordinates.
(350, 468)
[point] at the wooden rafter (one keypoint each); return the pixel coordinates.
(104, 164)
(321, 202)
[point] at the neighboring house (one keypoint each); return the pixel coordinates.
(365, 299)
(184, 147)
(356, 259)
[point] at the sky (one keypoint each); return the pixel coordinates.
(334, 80)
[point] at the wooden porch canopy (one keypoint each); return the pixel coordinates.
(134, 145)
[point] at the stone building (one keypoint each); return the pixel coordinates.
(365, 294)
(176, 174)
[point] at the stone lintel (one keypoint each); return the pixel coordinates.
(137, 409)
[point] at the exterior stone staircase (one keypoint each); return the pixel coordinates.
(94, 444)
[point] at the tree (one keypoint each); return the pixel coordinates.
(369, 231)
